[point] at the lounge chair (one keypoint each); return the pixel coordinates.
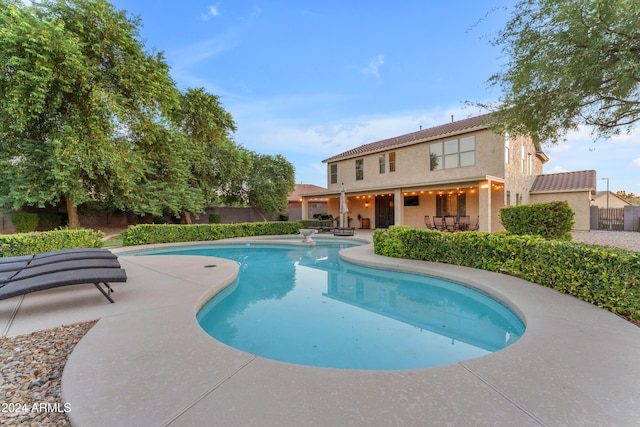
(60, 255)
(60, 268)
(57, 279)
(39, 270)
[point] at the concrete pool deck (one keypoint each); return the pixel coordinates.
(147, 362)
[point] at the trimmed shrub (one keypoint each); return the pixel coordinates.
(45, 241)
(24, 222)
(552, 220)
(215, 218)
(144, 234)
(604, 276)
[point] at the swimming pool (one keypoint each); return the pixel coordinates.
(303, 305)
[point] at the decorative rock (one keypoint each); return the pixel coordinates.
(31, 372)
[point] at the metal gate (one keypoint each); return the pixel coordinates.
(611, 219)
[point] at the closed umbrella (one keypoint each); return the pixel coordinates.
(343, 206)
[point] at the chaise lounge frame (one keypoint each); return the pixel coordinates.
(24, 275)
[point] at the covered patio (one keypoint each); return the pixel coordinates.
(480, 200)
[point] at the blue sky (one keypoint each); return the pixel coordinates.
(309, 79)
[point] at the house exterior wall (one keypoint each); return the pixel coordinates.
(484, 183)
(413, 165)
(518, 177)
(578, 201)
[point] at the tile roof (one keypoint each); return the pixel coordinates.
(565, 181)
(301, 189)
(414, 137)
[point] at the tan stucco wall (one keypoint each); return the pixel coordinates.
(413, 165)
(578, 201)
(515, 181)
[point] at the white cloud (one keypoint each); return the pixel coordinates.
(282, 125)
(373, 68)
(212, 12)
(636, 163)
(187, 56)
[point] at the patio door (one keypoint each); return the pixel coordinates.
(384, 211)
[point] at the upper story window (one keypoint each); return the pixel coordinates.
(359, 169)
(530, 164)
(455, 153)
(507, 148)
(522, 158)
(382, 162)
(333, 173)
(392, 161)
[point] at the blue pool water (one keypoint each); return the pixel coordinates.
(304, 305)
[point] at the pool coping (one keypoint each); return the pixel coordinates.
(153, 365)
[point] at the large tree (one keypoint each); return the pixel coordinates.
(85, 112)
(271, 180)
(208, 127)
(569, 63)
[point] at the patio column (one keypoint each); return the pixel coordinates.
(305, 208)
(484, 208)
(398, 209)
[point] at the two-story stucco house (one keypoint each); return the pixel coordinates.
(460, 168)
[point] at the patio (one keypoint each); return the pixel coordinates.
(147, 362)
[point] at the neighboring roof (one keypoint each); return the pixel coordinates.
(565, 181)
(459, 126)
(611, 194)
(301, 189)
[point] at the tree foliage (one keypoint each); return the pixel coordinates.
(83, 105)
(570, 62)
(87, 115)
(271, 180)
(208, 127)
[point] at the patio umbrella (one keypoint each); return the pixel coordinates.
(343, 206)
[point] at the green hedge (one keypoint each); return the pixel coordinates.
(604, 276)
(24, 222)
(553, 220)
(172, 233)
(45, 241)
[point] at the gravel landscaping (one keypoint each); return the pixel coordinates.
(622, 239)
(32, 367)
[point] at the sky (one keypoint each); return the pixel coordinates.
(309, 79)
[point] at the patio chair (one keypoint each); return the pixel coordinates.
(450, 223)
(438, 223)
(56, 279)
(464, 222)
(428, 223)
(477, 224)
